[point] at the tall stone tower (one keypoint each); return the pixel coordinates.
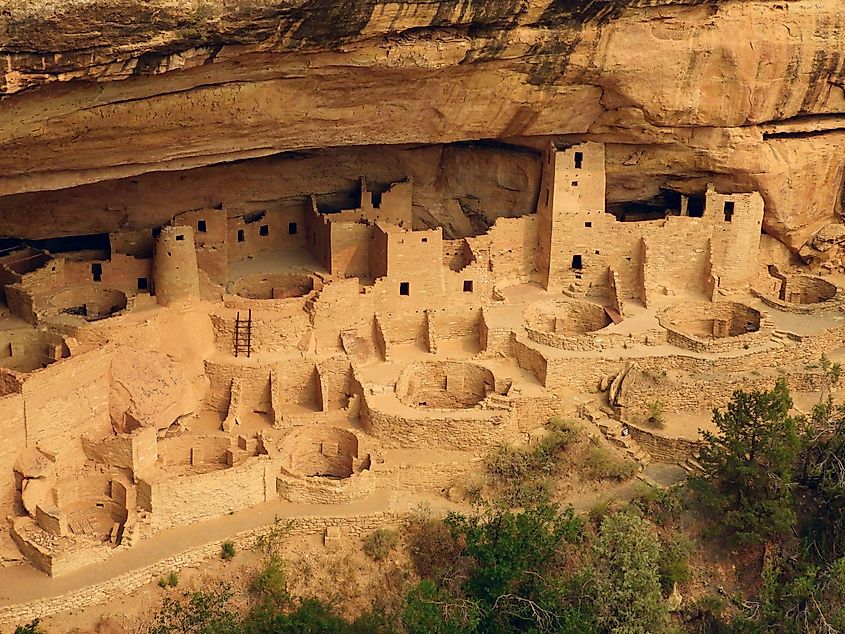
(572, 195)
(175, 273)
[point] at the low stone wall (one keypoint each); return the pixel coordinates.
(121, 585)
(663, 449)
(400, 426)
(324, 491)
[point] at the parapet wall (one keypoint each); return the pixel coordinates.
(189, 499)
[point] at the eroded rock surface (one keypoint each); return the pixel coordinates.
(747, 94)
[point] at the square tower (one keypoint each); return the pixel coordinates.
(572, 195)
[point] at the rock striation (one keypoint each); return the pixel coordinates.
(749, 94)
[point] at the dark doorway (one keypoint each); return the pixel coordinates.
(577, 264)
(695, 206)
(241, 235)
(264, 230)
(579, 160)
(729, 210)
(292, 228)
(201, 228)
(404, 288)
(143, 284)
(97, 272)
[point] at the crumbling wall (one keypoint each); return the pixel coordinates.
(255, 380)
(57, 423)
(13, 434)
(513, 249)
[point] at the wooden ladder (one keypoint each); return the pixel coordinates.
(243, 334)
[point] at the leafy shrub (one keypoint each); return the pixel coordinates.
(655, 416)
(270, 543)
(602, 464)
(662, 506)
(674, 561)
(204, 611)
(380, 543)
(521, 476)
(626, 555)
(33, 627)
(270, 582)
(227, 550)
(431, 546)
(170, 581)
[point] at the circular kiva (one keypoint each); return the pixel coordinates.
(564, 317)
(273, 286)
(88, 302)
(322, 452)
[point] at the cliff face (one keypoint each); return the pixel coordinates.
(748, 94)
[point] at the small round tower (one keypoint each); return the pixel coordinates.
(175, 273)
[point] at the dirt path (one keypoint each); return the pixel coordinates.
(22, 583)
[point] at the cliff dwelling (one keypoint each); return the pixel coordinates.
(335, 309)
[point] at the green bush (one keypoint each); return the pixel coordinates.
(626, 558)
(380, 543)
(662, 506)
(655, 416)
(270, 582)
(33, 627)
(227, 550)
(521, 476)
(674, 561)
(170, 581)
(431, 546)
(602, 464)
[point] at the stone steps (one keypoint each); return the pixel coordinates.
(692, 466)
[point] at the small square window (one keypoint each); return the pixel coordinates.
(292, 228)
(404, 288)
(575, 183)
(241, 237)
(180, 237)
(143, 284)
(588, 224)
(425, 239)
(201, 227)
(264, 230)
(467, 286)
(97, 272)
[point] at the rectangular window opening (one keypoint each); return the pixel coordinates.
(729, 210)
(577, 263)
(241, 237)
(97, 272)
(588, 224)
(404, 288)
(575, 183)
(264, 230)
(425, 239)
(180, 237)
(467, 286)
(579, 160)
(201, 227)
(292, 228)
(143, 284)
(547, 197)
